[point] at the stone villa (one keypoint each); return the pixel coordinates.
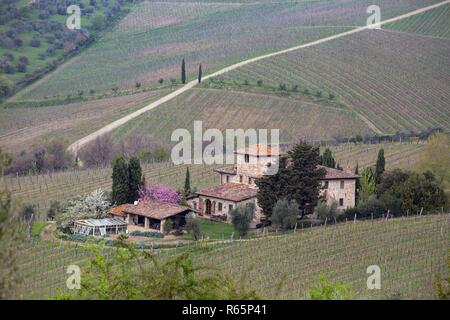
(238, 185)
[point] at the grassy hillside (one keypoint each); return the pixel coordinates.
(395, 80)
(295, 115)
(21, 127)
(432, 23)
(150, 43)
(409, 252)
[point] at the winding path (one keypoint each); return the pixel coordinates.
(77, 145)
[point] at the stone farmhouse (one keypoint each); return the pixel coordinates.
(238, 185)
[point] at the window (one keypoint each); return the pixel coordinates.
(247, 158)
(195, 205)
(240, 179)
(342, 184)
(230, 207)
(249, 180)
(269, 164)
(219, 206)
(228, 179)
(326, 185)
(341, 202)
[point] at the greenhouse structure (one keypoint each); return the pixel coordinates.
(100, 227)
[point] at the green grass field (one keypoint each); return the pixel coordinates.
(213, 230)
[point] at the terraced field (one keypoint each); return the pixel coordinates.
(24, 126)
(151, 42)
(432, 23)
(394, 80)
(409, 251)
(42, 189)
(398, 155)
(295, 115)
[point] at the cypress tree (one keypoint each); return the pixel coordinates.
(327, 159)
(200, 73)
(304, 182)
(120, 183)
(135, 178)
(187, 183)
(379, 168)
(358, 183)
(183, 72)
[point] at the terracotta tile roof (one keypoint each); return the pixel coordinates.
(334, 174)
(119, 210)
(227, 170)
(230, 191)
(152, 209)
(259, 149)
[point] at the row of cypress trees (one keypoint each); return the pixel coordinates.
(183, 72)
(127, 179)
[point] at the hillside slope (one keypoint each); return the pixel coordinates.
(150, 43)
(396, 80)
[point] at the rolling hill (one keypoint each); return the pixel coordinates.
(151, 41)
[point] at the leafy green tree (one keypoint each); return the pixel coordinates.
(183, 72)
(285, 214)
(327, 159)
(367, 184)
(372, 206)
(241, 217)
(107, 276)
(193, 227)
(379, 167)
(187, 183)
(200, 73)
(135, 179)
(120, 183)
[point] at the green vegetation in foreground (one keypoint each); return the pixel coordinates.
(37, 227)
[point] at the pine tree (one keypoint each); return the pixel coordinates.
(200, 73)
(327, 159)
(187, 183)
(183, 72)
(135, 180)
(120, 183)
(379, 168)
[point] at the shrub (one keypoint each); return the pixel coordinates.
(319, 94)
(167, 226)
(246, 83)
(147, 234)
(27, 211)
(161, 81)
(325, 211)
(138, 85)
(372, 206)
(282, 86)
(330, 291)
(259, 83)
(349, 214)
(285, 214)
(295, 88)
(192, 226)
(55, 208)
(241, 217)
(331, 96)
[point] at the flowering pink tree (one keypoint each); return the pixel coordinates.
(159, 193)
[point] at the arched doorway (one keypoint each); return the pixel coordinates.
(208, 207)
